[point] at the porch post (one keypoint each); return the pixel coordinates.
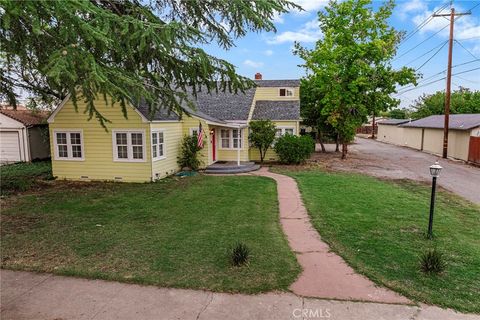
(238, 155)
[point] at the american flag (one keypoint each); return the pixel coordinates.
(200, 136)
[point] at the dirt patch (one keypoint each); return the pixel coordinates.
(17, 224)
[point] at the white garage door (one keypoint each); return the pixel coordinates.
(9, 147)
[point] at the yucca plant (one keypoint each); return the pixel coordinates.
(239, 254)
(432, 261)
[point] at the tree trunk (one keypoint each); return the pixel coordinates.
(337, 142)
(344, 150)
(320, 140)
(262, 154)
(373, 126)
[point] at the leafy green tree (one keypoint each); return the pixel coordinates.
(462, 100)
(398, 114)
(351, 65)
(311, 107)
(262, 136)
(128, 50)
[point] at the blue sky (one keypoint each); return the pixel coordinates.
(271, 53)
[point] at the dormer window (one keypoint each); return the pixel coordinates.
(285, 92)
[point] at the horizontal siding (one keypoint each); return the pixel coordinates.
(272, 93)
(98, 148)
(231, 154)
(173, 140)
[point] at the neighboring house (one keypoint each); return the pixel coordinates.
(143, 148)
(427, 135)
(23, 135)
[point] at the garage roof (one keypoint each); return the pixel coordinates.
(28, 117)
(456, 122)
(392, 122)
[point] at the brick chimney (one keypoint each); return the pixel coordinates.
(258, 76)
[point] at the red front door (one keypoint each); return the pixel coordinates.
(213, 146)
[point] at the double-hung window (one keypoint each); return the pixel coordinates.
(68, 145)
(158, 145)
(225, 138)
(237, 138)
(129, 145)
(231, 138)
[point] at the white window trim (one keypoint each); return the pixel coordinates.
(286, 89)
(129, 145)
(284, 128)
(69, 145)
(164, 145)
(219, 142)
(192, 129)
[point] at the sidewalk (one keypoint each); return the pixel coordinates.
(26, 295)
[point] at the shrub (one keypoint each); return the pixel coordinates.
(294, 149)
(432, 261)
(22, 176)
(239, 254)
(189, 154)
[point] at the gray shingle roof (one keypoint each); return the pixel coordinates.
(456, 122)
(392, 122)
(222, 106)
(276, 110)
(225, 105)
(162, 114)
(278, 83)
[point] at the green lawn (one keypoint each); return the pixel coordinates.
(23, 176)
(379, 228)
(173, 233)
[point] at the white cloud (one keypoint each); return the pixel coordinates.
(466, 27)
(253, 64)
(268, 52)
(311, 5)
(310, 32)
(278, 18)
(411, 6)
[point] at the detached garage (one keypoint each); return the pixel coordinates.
(427, 135)
(23, 136)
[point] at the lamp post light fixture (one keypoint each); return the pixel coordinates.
(434, 172)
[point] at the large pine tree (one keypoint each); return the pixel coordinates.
(126, 49)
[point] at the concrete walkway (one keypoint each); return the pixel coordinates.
(325, 274)
(33, 296)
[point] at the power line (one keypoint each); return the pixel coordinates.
(422, 24)
(419, 44)
(439, 73)
(436, 52)
(461, 45)
(413, 60)
(432, 82)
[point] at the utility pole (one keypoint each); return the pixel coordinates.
(452, 16)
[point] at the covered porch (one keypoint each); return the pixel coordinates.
(228, 146)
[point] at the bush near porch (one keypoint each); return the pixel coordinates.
(379, 228)
(172, 233)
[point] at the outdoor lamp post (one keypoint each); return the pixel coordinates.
(434, 172)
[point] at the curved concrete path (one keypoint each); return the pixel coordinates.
(325, 274)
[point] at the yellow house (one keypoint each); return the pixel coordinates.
(140, 147)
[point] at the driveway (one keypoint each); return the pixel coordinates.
(395, 162)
